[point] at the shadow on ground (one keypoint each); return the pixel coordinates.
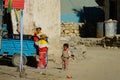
(8, 61)
(5, 61)
(32, 62)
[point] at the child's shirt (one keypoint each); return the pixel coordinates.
(66, 53)
(42, 43)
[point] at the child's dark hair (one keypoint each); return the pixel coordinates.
(38, 28)
(66, 44)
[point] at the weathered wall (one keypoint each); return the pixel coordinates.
(45, 13)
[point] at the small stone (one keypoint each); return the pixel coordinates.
(66, 31)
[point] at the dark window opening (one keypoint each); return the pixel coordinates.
(7, 20)
(113, 9)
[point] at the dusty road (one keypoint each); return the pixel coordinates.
(99, 64)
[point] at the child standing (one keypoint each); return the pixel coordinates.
(65, 56)
(42, 47)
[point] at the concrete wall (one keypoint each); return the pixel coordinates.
(46, 14)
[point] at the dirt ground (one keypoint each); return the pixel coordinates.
(99, 64)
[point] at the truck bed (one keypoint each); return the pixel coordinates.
(12, 46)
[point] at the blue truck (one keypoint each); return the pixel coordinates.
(10, 47)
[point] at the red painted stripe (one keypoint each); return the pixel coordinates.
(6, 3)
(18, 4)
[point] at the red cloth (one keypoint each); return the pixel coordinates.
(35, 38)
(6, 3)
(42, 56)
(17, 4)
(44, 49)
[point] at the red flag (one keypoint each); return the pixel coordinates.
(6, 3)
(18, 4)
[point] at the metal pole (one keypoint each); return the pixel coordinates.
(21, 40)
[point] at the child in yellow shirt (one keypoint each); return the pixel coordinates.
(42, 47)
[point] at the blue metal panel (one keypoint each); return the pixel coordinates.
(13, 47)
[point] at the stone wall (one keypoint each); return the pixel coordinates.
(71, 29)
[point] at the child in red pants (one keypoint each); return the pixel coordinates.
(42, 47)
(42, 57)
